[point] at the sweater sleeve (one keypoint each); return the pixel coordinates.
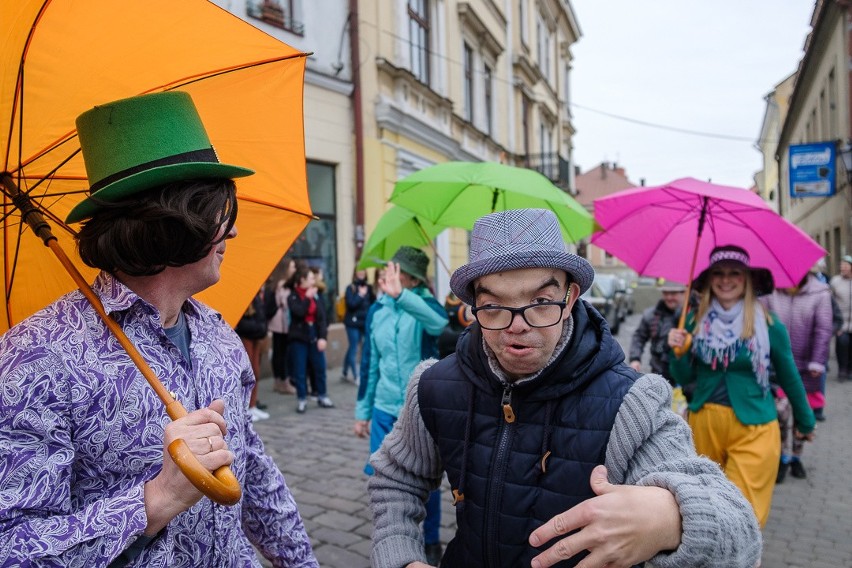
(407, 467)
(652, 446)
(432, 317)
(787, 375)
(823, 331)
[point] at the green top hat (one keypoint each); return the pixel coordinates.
(139, 143)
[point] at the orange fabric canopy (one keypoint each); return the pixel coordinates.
(61, 57)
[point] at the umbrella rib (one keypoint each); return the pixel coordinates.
(188, 80)
(9, 274)
(685, 219)
(440, 212)
(68, 136)
(277, 206)
(760, 238)
(19, 88)
(53, 171)
(677, 203)
(675, 200)
(56, 144)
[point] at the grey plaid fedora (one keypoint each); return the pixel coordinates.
(515, 239)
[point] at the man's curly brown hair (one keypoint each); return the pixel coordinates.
(171, 225)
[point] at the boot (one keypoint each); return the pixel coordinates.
(782, 473)
(797, 470)
(283, 386)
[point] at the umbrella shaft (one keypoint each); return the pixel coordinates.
(173, 408)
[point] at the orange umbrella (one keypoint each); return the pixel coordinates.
(59, 58)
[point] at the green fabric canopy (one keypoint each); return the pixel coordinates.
(456, 194)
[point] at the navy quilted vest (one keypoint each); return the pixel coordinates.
(517, 475)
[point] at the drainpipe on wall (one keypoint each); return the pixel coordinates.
(355, 60)
(847, 20)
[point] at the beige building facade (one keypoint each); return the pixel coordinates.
(767, 181)
(321, 28)
(819, 111)
(393, 86)
(451, 80)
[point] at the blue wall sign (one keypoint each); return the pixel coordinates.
(812, 169)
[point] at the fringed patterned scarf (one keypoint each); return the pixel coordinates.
(719, 339)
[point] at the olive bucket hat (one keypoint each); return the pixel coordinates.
(143, 142)
(412, 261)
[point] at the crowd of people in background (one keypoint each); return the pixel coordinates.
(752, 361)
(753, 372)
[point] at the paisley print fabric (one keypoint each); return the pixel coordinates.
(81, 431)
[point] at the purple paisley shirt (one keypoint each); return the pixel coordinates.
(81, 431)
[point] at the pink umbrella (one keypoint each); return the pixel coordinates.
(668, 231)
(653, 229)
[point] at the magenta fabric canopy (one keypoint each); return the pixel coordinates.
(657, 231)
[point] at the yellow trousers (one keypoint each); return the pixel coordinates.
(748, 455)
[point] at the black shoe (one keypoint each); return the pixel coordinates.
(433, 554)
(260, 405)
(782, 473)
(819, 414)
(797, 470)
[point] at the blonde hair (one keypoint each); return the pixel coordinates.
(749, 307)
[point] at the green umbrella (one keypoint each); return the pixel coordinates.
(395, 228)
(456, 194)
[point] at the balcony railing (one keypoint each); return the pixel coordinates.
(552, 166)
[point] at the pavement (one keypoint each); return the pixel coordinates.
(810, 525)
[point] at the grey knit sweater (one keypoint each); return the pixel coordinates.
(649, 446)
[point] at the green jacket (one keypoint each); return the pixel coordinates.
(750, 404)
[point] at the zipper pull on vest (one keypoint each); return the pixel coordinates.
(508, 413)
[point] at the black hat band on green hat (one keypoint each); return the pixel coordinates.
(205, 155)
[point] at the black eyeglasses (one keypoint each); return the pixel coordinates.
(542, 314)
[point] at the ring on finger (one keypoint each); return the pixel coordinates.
(210, 441)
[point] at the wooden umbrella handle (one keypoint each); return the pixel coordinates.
(224, 487)
(221, 486)
(687, 343)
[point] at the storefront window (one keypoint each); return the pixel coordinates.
(317, 245)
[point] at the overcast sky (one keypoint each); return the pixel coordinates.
(697, 65)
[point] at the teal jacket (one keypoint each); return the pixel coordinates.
(400, 333)
(748, 401)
